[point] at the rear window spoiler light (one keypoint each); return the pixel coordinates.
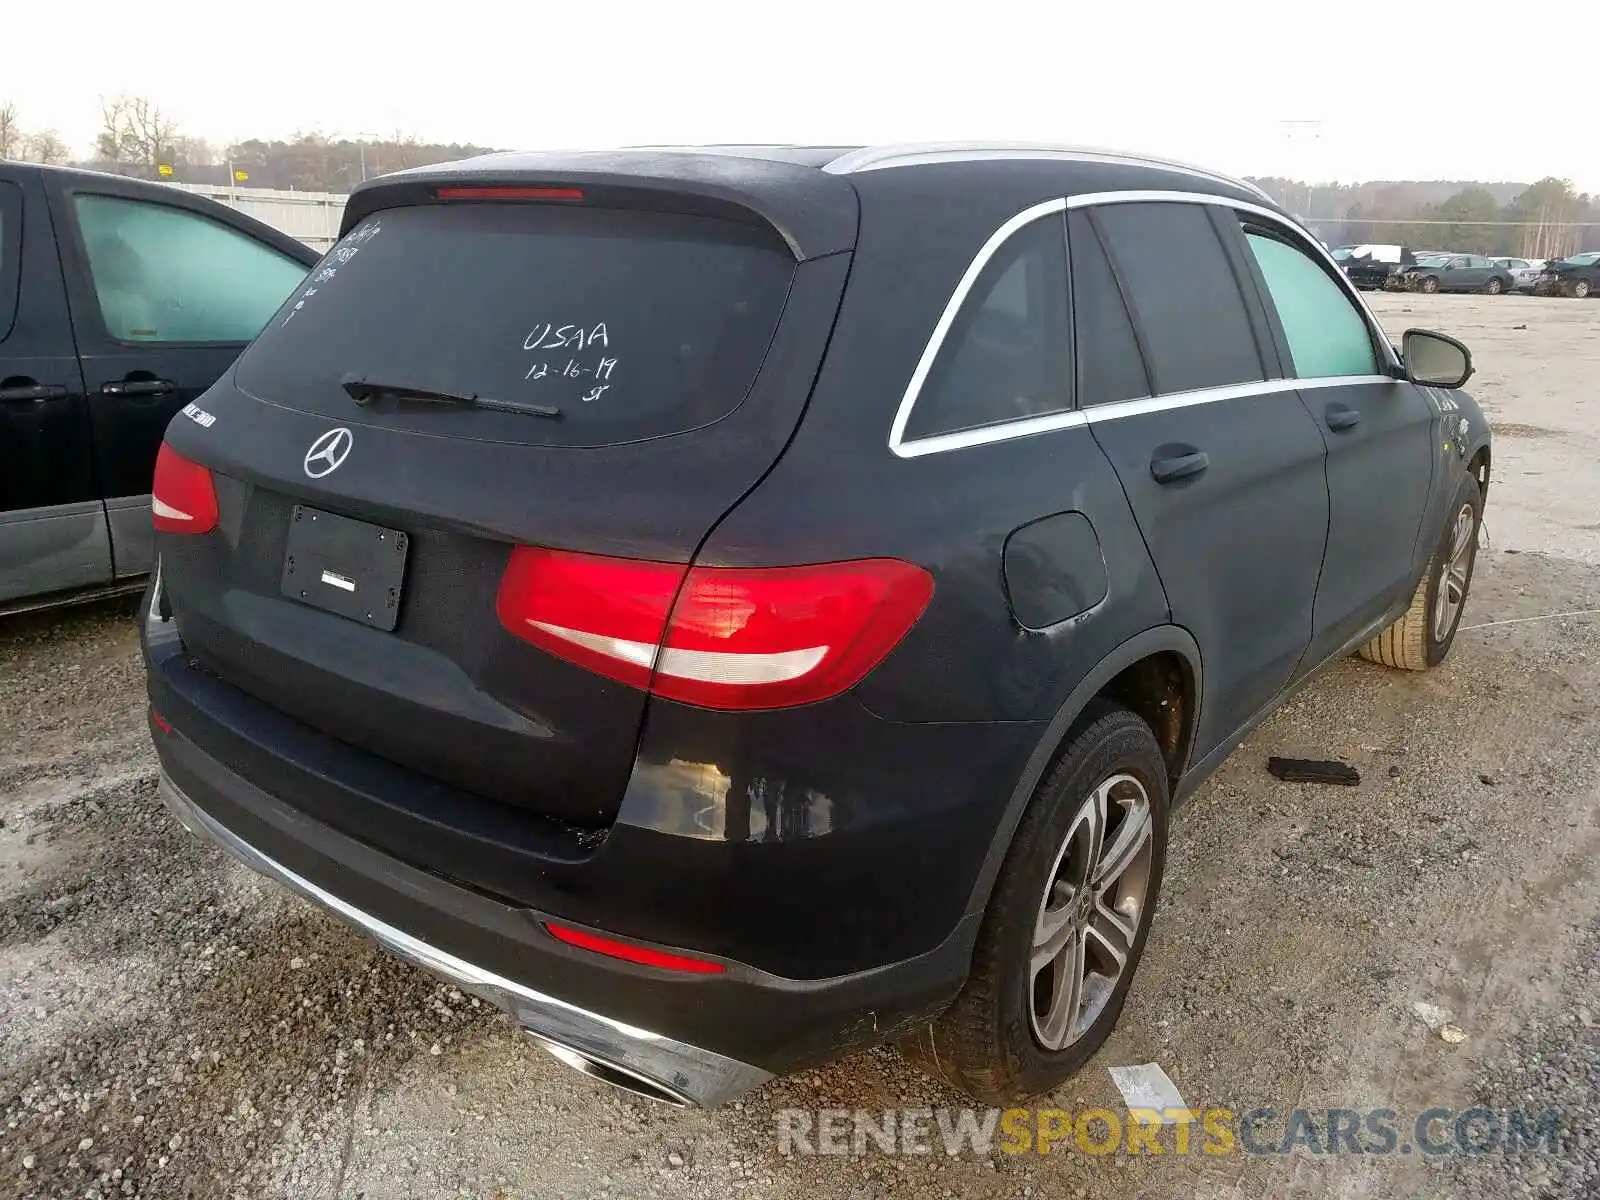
(816, 214)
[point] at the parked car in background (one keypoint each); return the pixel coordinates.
(1370, 266)
(1525, 272)
(1578, 276)
(1454, 273)
(700, 601)
(120, 302)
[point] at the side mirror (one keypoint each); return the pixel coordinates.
(1435, 360)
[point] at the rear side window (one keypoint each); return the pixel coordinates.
(1006, 354)
(1326, 335)
(1110, 367)
(10, 254)
(1183, 294)
(165, 274)
(631, 325)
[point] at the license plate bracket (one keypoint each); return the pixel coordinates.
(352, 568)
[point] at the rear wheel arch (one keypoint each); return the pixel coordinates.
(1478, 468)
(1156, 675)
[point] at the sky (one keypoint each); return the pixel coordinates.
(1403, 89)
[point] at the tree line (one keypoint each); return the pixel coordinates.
(1547, 219)
(137, 138)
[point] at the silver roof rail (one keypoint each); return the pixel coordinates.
(877, 158)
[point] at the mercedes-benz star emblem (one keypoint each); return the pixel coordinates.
(328, 452)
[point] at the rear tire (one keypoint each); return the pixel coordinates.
(1429, 285)
(1493, 288)
(1423, 636)
(1046, 986)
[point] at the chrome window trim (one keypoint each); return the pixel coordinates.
(1264, 387)
(952, 306)
(1028, 426)
(984, 434)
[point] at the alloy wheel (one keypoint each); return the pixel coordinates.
(1451, 593)
(1090, 912)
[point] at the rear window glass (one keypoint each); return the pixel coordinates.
(633, 325)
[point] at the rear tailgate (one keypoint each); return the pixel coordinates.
(678, 350)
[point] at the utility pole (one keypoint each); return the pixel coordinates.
(1304, 134)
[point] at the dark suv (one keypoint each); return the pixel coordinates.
(121, 301)
(733, 606)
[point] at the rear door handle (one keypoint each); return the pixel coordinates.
(1341, 417)
(25, 393)
(1180, 466)
(138, 387)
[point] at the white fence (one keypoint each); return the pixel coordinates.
(312, 217)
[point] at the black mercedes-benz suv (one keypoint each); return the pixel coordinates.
(730, 606)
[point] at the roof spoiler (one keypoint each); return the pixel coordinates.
(815, 213)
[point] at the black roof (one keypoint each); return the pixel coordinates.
(806, 193)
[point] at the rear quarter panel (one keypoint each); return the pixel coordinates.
(840, 492)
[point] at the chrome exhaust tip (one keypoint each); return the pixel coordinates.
(607, 1072)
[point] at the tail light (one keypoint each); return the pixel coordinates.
(183, 497)
(718, 637)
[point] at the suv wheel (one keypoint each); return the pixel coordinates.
(1423, 637)
(1067, 923)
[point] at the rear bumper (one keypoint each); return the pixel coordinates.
(652, 1063)
(304, 809)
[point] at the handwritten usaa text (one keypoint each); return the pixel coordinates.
(576, 340)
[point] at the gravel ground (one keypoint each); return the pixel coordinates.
(1554, 1061)
(172, 1026)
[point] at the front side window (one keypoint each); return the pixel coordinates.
(1183, 294)
(1006, 354)
(1327, 337)
(164, 274)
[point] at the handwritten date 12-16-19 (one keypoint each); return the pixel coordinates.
(550, 336)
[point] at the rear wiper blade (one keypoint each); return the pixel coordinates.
(361, 390)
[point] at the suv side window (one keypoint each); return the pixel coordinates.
(1006, 355)
(164, 274)
(1327, 336)
(1110, 365)
(1183, 295)
(10, 254)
